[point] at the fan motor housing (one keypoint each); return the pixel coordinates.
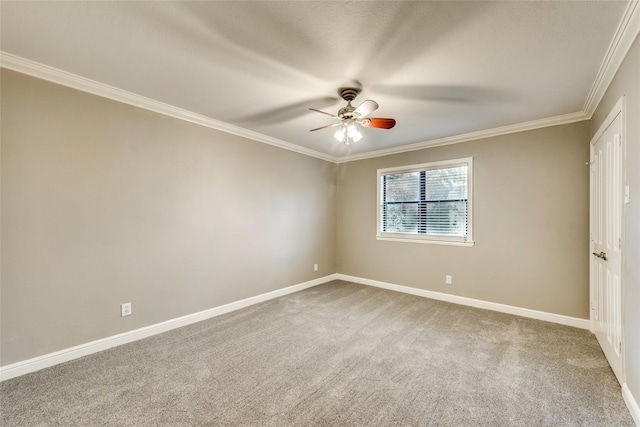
(346, 113)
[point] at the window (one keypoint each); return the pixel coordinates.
(426, 203)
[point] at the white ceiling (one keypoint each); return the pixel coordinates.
(439, 68)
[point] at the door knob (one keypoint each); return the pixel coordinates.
(601, 255)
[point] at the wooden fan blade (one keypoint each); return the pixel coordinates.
(324, 127)
(378, 122)
(318, 111)
(366, 108)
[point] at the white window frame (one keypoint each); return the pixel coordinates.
(428, 238)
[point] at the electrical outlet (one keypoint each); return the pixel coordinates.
(125, 309)
(448, 280)
(315, 267)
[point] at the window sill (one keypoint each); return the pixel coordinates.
(427, 241)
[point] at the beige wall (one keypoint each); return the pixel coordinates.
(530, 223)
(627, 83)
(104, 203)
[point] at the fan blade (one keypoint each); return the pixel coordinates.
(442, 93)
(318, 111)
(378, 122)
(324, 127)
(286, 112)
(366, 108)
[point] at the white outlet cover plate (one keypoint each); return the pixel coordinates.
(627, 197)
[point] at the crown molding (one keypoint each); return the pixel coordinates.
(54, 75)
(625, 35)
(488, 133)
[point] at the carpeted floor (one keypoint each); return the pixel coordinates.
(339, 354)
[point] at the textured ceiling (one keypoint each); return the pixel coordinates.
(439, 68)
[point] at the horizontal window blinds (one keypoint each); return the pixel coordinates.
(430, 201)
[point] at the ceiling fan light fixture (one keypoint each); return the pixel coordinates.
(352, 130)
(348, 133)
(356, 137)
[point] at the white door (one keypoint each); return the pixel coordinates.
(605, 258)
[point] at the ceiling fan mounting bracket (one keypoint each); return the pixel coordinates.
(349, 93)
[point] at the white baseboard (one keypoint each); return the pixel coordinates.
(51, 359)
(518, 311)
(632, 404)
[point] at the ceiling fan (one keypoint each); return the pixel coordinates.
(351, 116)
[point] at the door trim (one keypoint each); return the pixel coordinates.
(617, 109)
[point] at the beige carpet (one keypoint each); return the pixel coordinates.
(338, 354)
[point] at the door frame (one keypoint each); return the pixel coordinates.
(618, 109)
